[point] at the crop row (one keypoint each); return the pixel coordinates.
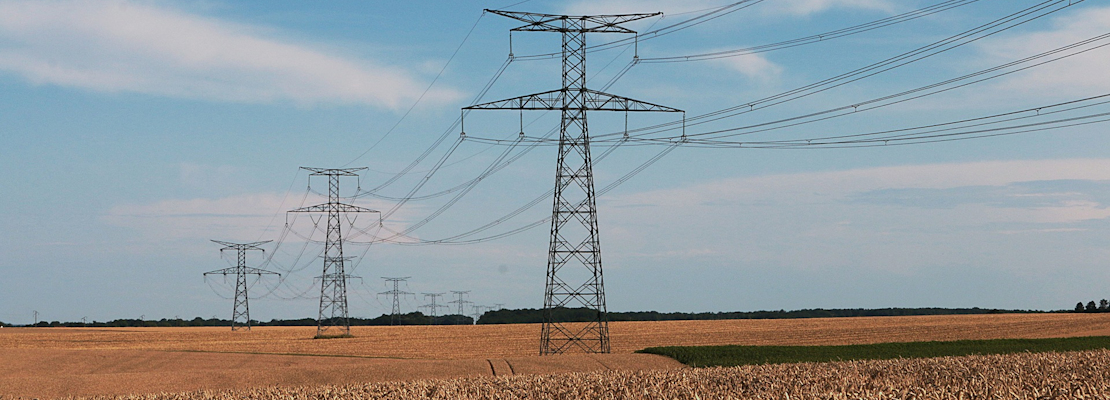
(1070, 375)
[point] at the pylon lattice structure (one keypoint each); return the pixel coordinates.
(479, 310)
(396, 293)
(460, 302)
(434, 306)
(240, 311)
(574, 272)
(334, 314)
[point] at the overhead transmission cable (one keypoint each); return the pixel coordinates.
(999, 25)
(820, 37)
(714, 13)
(920, 92)
(1010, 21)
(424, 93)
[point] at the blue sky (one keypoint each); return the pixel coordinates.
(134, 132)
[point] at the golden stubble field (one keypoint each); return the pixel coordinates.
(56, 362)
(1012, 377)
(522, 340)
(1071, 375)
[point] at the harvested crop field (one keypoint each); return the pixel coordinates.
(522, 340)
(42, 373)
(52, 362)
(1073, 375)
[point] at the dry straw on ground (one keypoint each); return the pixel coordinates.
(521, 340)
(1074, 375)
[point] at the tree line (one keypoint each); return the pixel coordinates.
(532, 315)
(414, 318)
(1102, 306)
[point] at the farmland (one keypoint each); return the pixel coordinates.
(1074, 375)
(520, 340)
(50, 362)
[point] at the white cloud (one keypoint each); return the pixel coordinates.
(236, 218)
(807, 7)
(1077, 76)
(678, 8)
(681, 10)
(120, 46)
(668, 8)
(816, 220)
(932, 176)
(754, 66)
(242, 217)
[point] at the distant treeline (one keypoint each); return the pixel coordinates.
(530, 315)
(415, 318)
(1091, 307)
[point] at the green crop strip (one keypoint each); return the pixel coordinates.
(727, 356)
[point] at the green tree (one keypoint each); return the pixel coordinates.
(1091, 307)
(1079, 307)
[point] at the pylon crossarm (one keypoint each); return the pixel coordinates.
(244, 246)
(343, 208)
(538, 22)
(225, 271)
(259, 271)
(334, 171)
(553, 100)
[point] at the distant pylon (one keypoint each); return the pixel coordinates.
(240, 311)
(434, 306)
(460, 302)
(574, 241)
(478, 311)
(333, 281)
(397, 293)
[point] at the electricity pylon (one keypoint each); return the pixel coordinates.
(241, 310)
(433, 307)
(333, 281)
(397, 293)
(479, 311)
(574, 273)
(461, 304)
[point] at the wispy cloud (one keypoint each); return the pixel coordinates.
(686, 9)
(120, 46)
(808, 7)
(1076, 76)
(891, 218)
(753, 66)
(241, 217)
(637, 6)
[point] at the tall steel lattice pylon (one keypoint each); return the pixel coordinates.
(395, 316)
(333, 281)
(241, 311)
(574, 273)
(460, 302)
(434, 306)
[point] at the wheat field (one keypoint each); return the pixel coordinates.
(522, 340)
(61, 362)
(1074, 375)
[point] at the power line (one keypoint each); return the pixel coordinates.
(460, 302)
(333, 281)
(433, 307)
(821, 37)
(240, 311)
(397, 293)
(574, 235)
(980, 32)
